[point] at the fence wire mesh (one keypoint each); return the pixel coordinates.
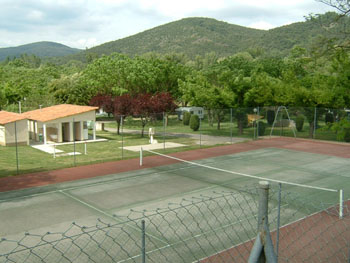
(115, 134)
(220, 227)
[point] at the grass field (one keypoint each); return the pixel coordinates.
(33, 160)
(226, 128)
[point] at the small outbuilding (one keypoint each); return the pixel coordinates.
(193, 110)
(61, 123)
(13, 127)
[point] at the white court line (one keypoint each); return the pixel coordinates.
(126, 178)
(242, 174)
(107, 214)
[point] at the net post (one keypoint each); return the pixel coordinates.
(85, 148)
(54, 151)
(141, 155)
(341, 203)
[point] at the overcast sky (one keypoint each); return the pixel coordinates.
(87, 23)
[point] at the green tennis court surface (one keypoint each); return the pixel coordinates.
(165, 193)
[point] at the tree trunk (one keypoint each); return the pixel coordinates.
(311, 130)
(210, 118)
(143, 122)
(240, 127)
(118, 127)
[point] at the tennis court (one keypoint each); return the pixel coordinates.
(171, 195)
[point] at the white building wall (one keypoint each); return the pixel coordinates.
(22, 133)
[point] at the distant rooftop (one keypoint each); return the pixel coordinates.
(57, 112)
(8, 117)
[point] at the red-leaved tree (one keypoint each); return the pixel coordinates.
(143, 105)
(122, 108)
(104, 102)
(147, 106)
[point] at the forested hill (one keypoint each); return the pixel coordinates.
(198, 36)
(39, 49)
(192, 36)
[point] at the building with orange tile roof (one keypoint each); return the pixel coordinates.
(13, 128)
(61, 123)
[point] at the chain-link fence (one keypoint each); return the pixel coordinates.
(220, 227)
(116, 136)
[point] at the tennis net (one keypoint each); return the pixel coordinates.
(197, 164)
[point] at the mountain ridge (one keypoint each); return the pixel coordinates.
(40, 49)
(199, 35)
(195, 36)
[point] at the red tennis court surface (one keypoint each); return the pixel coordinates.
(100, 169)
(321, 237)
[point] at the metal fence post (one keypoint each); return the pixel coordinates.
(164, 124)
(341, 203)
(74, 142)
(231, 124)
(122, 124)
(257, 124)
(200, 133)
(263, 250)
(141, 161)
(278, 218)
(315, 123)
(143, 241)
(16, 142)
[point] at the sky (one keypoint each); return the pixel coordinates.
(87, 23)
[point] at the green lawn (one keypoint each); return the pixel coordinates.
(33, 160)
(226, 128)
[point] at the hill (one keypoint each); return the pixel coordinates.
(40, 49)
(198, 36)
(191, 36)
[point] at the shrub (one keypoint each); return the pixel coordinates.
(329, 118)
(299, 123)
(186, 118)
(347, 135)
(261, 128)
(342, 128)
(194, 122)
(270, 117)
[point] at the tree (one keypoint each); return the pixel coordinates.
(105, 102)
(107, 75)
(343, 6)
(118, 106)
(122, 108)
(146, 106)
(3, 100)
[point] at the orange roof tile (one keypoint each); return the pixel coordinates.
(57, 112)
(7, 117)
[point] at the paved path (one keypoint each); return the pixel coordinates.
(201, 138)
